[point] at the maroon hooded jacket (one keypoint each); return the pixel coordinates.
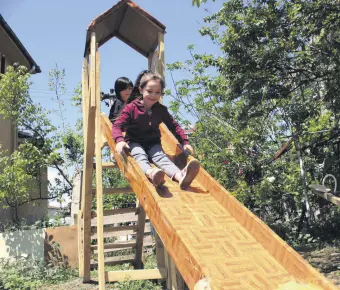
(142, 128)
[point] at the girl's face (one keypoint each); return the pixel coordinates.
(125, 94)
(152, 93)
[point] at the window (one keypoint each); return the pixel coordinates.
(2, 65)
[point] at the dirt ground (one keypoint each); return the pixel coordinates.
(327, 261)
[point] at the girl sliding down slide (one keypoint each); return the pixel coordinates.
(141, 119)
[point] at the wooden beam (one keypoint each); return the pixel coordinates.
(109, 165)
(150, 57)
(93, 49)
(330, 197)
(117, 231)
(129, 244)
(115, 219)
(160, 62)
(162, 259)
(85, 94)
(86, 200)
(117, 211)
(112, 276)
(80, 224)
(120, 231)
(177, 282)
(115, 261)
(148, 242)
(106, 165)
(161, 69)
(115, 190)
(99, 180)
(139, 238)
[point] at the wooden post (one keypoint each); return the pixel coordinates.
(161, 62)
(80, 223)
(140, 237)
(150, 57)
(89, 123)
(85, 95)
(177, 282)
(99, 180)
(80, 226)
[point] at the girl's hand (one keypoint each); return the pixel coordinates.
(120, 147)
(189, 148)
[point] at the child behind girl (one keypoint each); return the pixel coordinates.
(141, 119)
(123, 89)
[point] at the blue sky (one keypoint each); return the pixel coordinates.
(54, 33)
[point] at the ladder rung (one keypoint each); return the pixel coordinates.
(109, 165)
(129, 244)
(116, 231)
(107, 212)
(114, 190)
(145, 274)
(147, 242)
(115, 260)
(106, 165)
(116, 219)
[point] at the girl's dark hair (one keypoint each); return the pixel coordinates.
(122, 84)
(151, 76)
(135, 91)
(141, 81)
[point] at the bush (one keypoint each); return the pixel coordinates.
(25, 274)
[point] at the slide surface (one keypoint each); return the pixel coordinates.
(209, 234)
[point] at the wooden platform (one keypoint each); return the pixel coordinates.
(208, 233)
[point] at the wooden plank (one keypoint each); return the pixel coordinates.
(106, 165)
(162, 259)
(161, 69)
(160, 62)
(80, 243)
(115, 261)
(121, 231)
(115, 219)
(140, 238)
(115, 190)
(109, 165)
(112, 276)
(107, 212)
(99, 180)
(85, 107)
(177, 282)
(93, 90)
(116, 231)
(147, 243)
(330, 197)
(86, 199)
(150, 57)
(85, 95)
(128, 244)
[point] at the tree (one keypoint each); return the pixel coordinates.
(20, 175)
(276, 78)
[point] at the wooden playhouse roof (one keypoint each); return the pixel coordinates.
(129, 23)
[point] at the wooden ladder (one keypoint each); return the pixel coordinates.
(93, 149)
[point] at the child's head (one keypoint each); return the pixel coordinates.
(123, 88)
(135, 90)
(151, 88)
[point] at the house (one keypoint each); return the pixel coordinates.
(13, 51)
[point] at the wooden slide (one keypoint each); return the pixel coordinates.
(209, 234)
